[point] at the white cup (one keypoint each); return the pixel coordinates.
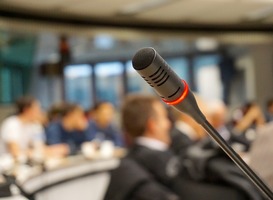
(88, 150)
(107, 149)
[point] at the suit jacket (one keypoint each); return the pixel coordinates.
(130, 181)
(164, 166)
(167, 168)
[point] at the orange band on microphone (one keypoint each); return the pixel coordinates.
(181, 98)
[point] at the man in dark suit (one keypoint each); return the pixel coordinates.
(145, 119)
(150, 166)
(146, 123)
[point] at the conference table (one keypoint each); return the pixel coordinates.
(74, 177)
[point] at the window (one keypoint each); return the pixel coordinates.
(134, 81)
(78, 84)
(207, 77)
(109, 82)
(181, 67)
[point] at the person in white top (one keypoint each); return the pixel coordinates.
(20, 133)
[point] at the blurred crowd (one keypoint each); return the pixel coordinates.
(31, 134)
(161, 142)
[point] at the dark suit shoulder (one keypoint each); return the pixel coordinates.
(130, 181)
(162, 165)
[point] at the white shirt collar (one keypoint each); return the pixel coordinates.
(152, 143)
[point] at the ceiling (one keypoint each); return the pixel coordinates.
(208, 15)
(227, 21)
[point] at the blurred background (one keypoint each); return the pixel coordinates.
(81, 51)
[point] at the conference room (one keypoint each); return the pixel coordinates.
(136, 100)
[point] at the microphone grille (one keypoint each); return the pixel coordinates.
(143, 58)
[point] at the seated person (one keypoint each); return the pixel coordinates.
(150, 166)
(145, 120)
(217, 116)
(22, 131)
(246, 120)
(101, 127)
(250, 116)
(69, 132)
(55, 112)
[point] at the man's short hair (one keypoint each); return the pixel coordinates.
(136, 111)
(24, 103)
(99, 104)
(69, 108)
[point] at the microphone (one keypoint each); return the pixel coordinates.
(175, 92)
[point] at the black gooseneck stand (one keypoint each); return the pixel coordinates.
(238, 160)
(174, 91)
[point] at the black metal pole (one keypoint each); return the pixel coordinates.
(238, 160)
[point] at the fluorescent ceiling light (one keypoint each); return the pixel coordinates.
(260, 1)
(138, 7)
(260, 14)
(206, 44)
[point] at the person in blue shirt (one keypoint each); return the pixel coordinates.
(69, 132)
(101, 126)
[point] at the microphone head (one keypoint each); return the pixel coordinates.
(166, 83)
(157, 73)
(143, 58)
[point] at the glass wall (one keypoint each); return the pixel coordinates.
(78, 85)
(181, 67)
(112, 80)
(207, 77)
(135, 83)
(109, 82)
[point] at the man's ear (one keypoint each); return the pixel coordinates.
(150, 127)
